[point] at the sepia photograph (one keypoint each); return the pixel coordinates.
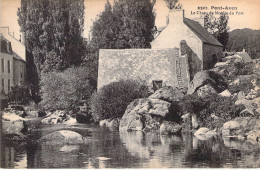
(134, 84)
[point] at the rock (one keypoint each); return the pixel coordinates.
(17, 127)
(70, 121)
(9, 116)
(114, 124)
(194, 121)
(225, 93)
(253, 136)
(62, 137)
(168, 128)
(207, 77)
(250, 105)
(144, 113)
(167, 93)
(240, 126)
(206, 90)
(204, 133)
(103, 123)
(201, 131)
(58, 116)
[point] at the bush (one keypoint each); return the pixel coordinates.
(65, 90)
(111, 100)
(223, 109)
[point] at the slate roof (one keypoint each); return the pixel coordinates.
(201, 32)
(16, 56)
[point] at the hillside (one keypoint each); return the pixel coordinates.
(245, 38)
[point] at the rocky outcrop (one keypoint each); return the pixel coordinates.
(251, 106)
(168, 128)
(209, 78)
(242, 128)
(57, 117)
(168, 94)
(62, 137)
(144, 114)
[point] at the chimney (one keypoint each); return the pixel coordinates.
(176, 16)
(22, 38)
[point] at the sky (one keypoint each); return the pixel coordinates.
(242, 13)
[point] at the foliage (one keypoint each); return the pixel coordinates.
(130, 24)
(212, 111)
(170, 3)
(218, 27)
(64, 90)
(247, 39)
(111, 100)
(52, 31)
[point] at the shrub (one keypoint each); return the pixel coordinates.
(223, 109)
(64, 90)
(111, 100)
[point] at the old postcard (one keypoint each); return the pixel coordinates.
(130, 84)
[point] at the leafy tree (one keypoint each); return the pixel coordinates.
(218, 27)
(130, 24)
(53, 40)
(104, 29)
(170, 3)
(64, 90)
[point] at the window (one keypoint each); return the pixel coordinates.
(8, 66)
(3, 84)
(3, 65)
(9, 85)
(157, 84)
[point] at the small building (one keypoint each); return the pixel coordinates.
(204, 45)
(12, 63)
(157, 67)
(244, 55)
(183, 48)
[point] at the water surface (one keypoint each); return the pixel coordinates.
(107, 149)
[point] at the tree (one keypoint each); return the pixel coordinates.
(53, 35)
(130, 24)
(170, 3)
(66, 89)
(104, 29)
(218, 27)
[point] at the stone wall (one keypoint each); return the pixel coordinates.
(143, 64)
(208, 55)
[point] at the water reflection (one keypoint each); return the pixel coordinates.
(132, 150)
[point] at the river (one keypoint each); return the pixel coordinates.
(108, 149)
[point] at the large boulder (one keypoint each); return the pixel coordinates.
(210, 78)
(17, 127)
(62, 137)
(168, 128)
(167, 93)
(240, 126)
(144, 114)
(204, 133)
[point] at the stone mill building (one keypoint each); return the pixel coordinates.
(179, 51)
